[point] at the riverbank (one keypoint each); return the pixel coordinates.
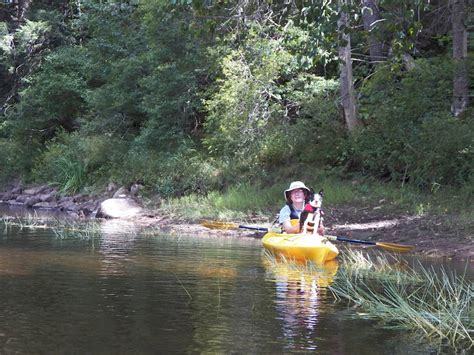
(432, 236)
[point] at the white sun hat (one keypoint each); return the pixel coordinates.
(293, 186)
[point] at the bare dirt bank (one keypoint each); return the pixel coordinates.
(430, 236)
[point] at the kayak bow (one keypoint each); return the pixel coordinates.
(302, 247)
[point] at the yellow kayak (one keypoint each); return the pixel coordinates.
(303, 247)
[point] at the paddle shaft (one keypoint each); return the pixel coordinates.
(260, 229)
(383, 245)
(330, 237)
(357, 241)
(340, 239)
(387, 246)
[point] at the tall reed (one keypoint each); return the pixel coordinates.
(62, 228)
(83, 230)
(435, 303)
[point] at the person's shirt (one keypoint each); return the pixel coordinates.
(285, 214)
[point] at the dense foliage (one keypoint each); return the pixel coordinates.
(194, 96)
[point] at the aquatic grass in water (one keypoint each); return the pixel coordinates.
(83, 230)
(378, 265)
(31, 221)
(61, 228)
(437, 304)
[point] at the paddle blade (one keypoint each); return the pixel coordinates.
(219, 225)
(399, 248)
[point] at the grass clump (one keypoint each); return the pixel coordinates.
(261, 202)
(243, 202)
(83, 230)
(60, 227)
(435, 303)
(30, 221)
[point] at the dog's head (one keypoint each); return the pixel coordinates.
(316, 199)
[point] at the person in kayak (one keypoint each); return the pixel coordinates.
(296, 196)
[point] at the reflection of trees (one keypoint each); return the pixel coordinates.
(300, 295)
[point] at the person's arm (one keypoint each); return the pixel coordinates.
(288, 227)
(285, 220)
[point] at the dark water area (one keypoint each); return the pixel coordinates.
(124, 292)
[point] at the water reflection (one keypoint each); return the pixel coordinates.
(116, 246)
(300, 292)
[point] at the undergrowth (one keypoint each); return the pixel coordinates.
(262, 202)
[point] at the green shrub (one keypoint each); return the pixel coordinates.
(247, 106)
(15, 160)
(409, 133)
(171, 174)
(444, 151)
(316, 135)
(72, 161)
(54, 99)
(268, 109)
(319, 131)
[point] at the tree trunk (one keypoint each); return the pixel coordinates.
(345, 67)
(460, 77)
(21, 8)
(17, 19)
(370, 18)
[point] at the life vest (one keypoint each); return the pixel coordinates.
(294, 218)
(295, 222)
(293, 213)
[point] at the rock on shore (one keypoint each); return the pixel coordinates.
(111, 204)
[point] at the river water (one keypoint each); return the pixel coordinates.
(123, 292)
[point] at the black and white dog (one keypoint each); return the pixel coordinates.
(310, 218)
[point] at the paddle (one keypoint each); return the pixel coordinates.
(230, 225)
(400, 248)
(387, 246)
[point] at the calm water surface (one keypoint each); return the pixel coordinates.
(130, 293)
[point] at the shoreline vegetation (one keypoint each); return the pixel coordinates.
(359, 209)
(436, 304)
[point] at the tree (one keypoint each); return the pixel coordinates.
(345, 67)
(460, 78)
(14, 16)
(371, 17)
(29, 30)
